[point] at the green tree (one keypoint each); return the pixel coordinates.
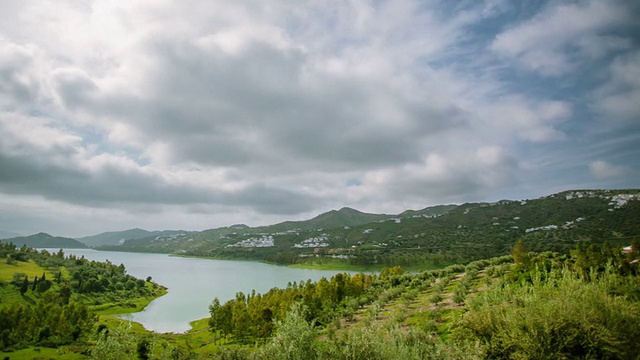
(520, 255)
(294, 338)
(25, 286)
(460, 295)
(65, 294)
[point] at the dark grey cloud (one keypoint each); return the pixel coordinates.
(18, 83)
(265, 105)
(56, 172)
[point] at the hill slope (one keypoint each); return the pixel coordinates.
(332, 219)
(430, 237)
(43, 240)
(119, 237)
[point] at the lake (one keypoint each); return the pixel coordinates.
(193, 283)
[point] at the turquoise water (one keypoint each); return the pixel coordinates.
(193, 283)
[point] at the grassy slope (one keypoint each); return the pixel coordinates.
(29, 268)
(107, 312)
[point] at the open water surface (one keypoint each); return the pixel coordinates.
(193, 283)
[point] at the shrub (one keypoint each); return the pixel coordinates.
(562, 317)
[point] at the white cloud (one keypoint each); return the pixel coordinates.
(554, 41)
(601, 170)
(535, 121)
(618, 99)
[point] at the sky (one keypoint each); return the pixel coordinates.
(198, 114)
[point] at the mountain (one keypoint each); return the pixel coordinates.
(433, 235)
(8, 234)
(431, 211)
(43, 240)
(344, 217)
(119, 237)
(332, 219)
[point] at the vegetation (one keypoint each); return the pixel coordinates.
(546, 307)
(431, 238)
(52, 300)
(43, 240)
(251, 317)
(564, 291)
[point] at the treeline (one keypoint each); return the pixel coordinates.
(51, 321)
(82, 275)
(250, 317)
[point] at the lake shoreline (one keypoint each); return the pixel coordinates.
(193, 283)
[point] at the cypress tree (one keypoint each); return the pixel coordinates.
(25, 285)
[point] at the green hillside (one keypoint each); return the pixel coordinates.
(52, 300)
(119, 237)
(43, 240)
(428, 238)
(332, 219)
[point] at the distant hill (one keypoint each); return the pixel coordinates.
(114, 238)
(8, 234)
(438, 234)
(430, 211)
(332, 219)
(43, 240)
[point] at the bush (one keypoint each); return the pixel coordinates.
(562, 317)
(294, 338)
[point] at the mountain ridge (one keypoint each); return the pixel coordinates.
(449, 233)
(44, 240)
(120, 237)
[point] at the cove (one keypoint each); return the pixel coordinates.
(193, 283)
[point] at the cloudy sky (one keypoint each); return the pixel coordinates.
(197, 114)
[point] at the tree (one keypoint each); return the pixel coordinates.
(25, 286)
(294, 337)
(520, 255)
(460, 295)
(44, 285)
(436, 296)
(65, 294)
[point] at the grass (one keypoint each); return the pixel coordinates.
(333, 265)
(30, 268)
(35, 353)
(131, 306)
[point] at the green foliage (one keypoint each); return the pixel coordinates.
(114, 345)
(520, 256)
(294, 337)
(49, 322)
(549, 309)
(425, 239)
(54, 313)
(252, 316)
(558, 315)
